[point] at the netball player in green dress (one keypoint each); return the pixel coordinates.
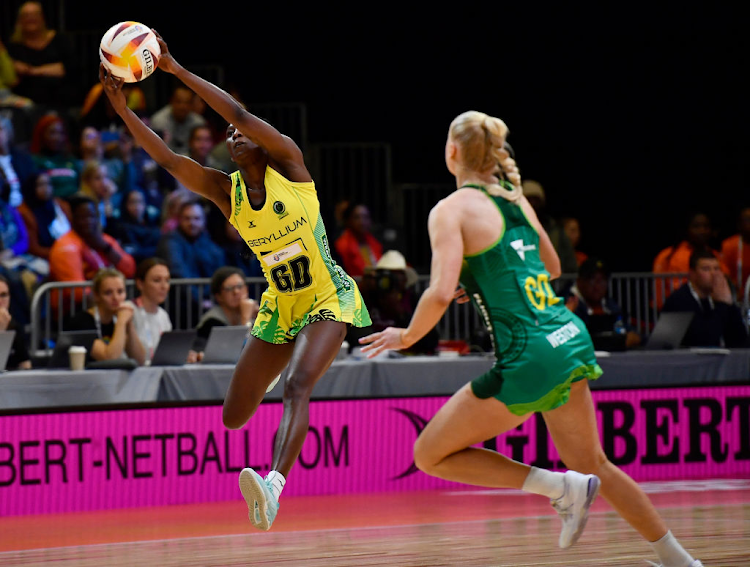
(487, 236)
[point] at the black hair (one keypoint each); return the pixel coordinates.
(349, 210)
(688, 219)
(592, 266)
(28, 188)
(79, 199)
(223, 274)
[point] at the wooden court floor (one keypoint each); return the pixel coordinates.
(482, 528)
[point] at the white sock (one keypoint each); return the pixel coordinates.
(544, 482)
(277, 483)
(671, 553)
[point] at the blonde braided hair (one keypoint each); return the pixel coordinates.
(481, 140)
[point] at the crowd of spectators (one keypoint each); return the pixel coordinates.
(80, 201)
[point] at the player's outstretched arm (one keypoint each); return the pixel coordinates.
(210, 183)
(447, 256)
(281, 149)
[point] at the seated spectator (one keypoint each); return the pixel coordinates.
(718, 320)
(90, 147)
(148, 176)
(20, 307)
(172, 206)
(200, 145)
(188, 250)
(8, 80)
(43, 59)
(119, 160)
(138, 233)
(534, 192)
(19, 358)
(49, 148)
(16, 166)
(337, 223)
(46, 217)
(735, 252)
(357, 247)
(175, 121)
(100, 189)
(79, 254)
(676, 259)
(388, 292)
(604, 318)
(232, 307)
(572, 229)
(112, 319)
(152, 280)
(14, 247)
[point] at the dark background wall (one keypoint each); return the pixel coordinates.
(630, 116)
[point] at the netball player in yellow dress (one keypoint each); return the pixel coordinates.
(272, 202)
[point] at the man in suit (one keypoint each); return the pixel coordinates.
(718, 320)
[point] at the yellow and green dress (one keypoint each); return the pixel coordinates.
(287, 235)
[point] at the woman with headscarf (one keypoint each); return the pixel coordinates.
(46, 217)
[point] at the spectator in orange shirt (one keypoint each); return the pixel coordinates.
(735, 252)
(676, 259)
(80, 253)
(357, 247)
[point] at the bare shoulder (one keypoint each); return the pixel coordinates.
(447, 212)
(218, 189)
(219, 178)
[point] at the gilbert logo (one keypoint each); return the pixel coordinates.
(521, 249)
(148, 60)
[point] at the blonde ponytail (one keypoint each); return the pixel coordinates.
(481, 139)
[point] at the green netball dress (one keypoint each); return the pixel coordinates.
(541, 347)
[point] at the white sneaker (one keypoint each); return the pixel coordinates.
(695, 563)
(262, 505)
(573, 506)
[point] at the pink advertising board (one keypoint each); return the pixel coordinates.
(89, 460)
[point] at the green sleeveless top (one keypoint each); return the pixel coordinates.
(510, 286)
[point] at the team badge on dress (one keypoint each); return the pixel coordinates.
(280, 209)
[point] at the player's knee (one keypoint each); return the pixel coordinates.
(231, 421)
(298, 386)
(232, 418)
(424, 458)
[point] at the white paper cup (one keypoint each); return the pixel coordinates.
(448, 354)
(77, 356)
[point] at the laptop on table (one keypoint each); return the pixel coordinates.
(6, 344)
(669, 330)
(173, 348)
(225, 344)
